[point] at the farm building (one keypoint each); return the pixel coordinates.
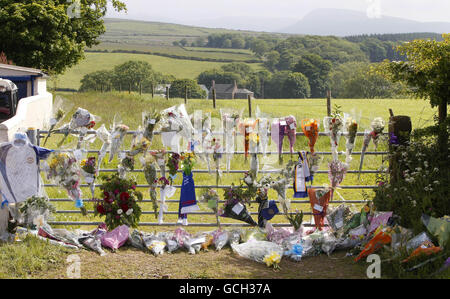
(29, 81)
(229, 91)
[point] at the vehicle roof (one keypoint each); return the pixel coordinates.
(7, 85)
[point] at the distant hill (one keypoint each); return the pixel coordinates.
(342, 22)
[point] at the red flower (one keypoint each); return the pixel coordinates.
(124, 207)
(124, 196)
(101, 209)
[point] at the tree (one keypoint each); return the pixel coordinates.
(237, 43)
(99, 80)
(317, 70)
(272, 59)
(178, 89)
(219, 76)
(41, 34)
(296, 86)
(183, 42)
(427, 72)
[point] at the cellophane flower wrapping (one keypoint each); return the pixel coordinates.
(149, 122)
(285, 126)
(151, 176)
(336, 172)
(105, 137)
(118, 133)
(65, 172)
(334, 126)
(310, 128)
(257, 250)
(377, 126)
(337, 218)
(175, 121)
(35, 207)
(116, 238)
(220, 239)
(230, 121)
(89, 172)
(81, 119)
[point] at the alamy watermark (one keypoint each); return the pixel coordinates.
(74, 269)
(374, 269)
(374, 9)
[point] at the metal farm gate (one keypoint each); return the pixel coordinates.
(41, 134)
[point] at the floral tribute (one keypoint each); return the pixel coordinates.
(310, 128)
(120, 202)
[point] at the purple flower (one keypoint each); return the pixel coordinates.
(393, 139)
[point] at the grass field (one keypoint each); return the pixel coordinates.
(106, 61)
(419, 111)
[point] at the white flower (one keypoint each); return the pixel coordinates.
(414, 203)
(419, 169)
(436, 182)
(39, 221)
(129, 212)
(119, 211)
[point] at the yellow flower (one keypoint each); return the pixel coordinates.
(83, 162)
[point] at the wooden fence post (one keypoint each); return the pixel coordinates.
(400, 128)
(329, 102)
(214, 98)
(153, 90)
(129, 88)
(140, 88)
(167, 92)
(249, 98)
(120, 87)
(185, 94)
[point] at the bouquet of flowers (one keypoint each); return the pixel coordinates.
(65, 172)
(53, 122)
(230, 121)
(248, 128)
(149, 121)
(282, 182)
(188, 201)
(234, 206)
(216, 148)
(310, 128)
(377, 126)
(175, 123)
(104, 135)
(36, 211)
(282, 127)
(151, 177)
(118, 133)
(319, 199)
(350, 130)
(120, 202)
(81, 119)
(336, 173)
(173, 165)
(166, 191)
(126, 164)
(333, 126)
(139, 144)
(89, 171)
(211, 198)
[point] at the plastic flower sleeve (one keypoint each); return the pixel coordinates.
(104, 136)
(89, 172)
(149, 122)
(350, 130)
(220, 239)
(310, 128)
(166, 192)
(150, 174)
(336, 173)
(118, 133)
(334, 126)
(230, 122)
(257, 250)
(82, 120)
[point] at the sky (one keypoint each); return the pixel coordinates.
(192, 12)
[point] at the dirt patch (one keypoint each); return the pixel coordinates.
(129, 263)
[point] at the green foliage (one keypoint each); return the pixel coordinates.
(419, 186)
(41, 34)
(296, 86)
(317, 70)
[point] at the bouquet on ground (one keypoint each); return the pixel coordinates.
(53, 122)
(336, 174)
(211, 198)
(36, 211)
(120, 202)
(286, 126)
(234, 206)
(82, 120)
(377, 126)
(334, 126)
(319, 199)
(151, 177)
(350, 130)
(310, 128)
(188, 200)
(89, 172)
(230, 121)
(150, 120)
(118, 134)
(65, 172)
